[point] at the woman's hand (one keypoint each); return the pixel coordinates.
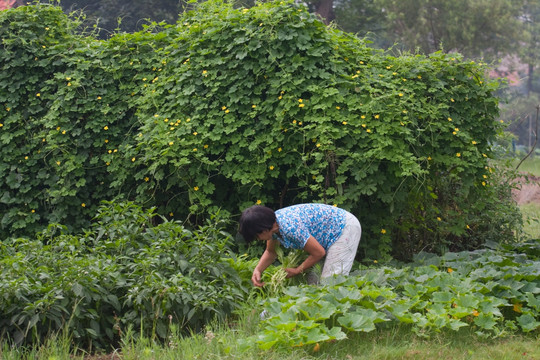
(256, 278)
(293, 272)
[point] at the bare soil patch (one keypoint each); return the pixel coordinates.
(528, 191)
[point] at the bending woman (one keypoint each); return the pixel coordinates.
(323, 231)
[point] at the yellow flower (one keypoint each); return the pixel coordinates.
(400, 94)
(156, 115)
(484, 155)
(318, 145)
(363, 117)
(195, 133)
(99, 97)
(171, 143)
(300, 100)
(144, 79)
(271, 167)
(147, 179)
(375, 262)
(383, 231)
(429, 158)
(64, 132)
(105, 128)
(450, 270)
(419, 76)
(68, 84)
(368, 130)
(475, 313)
(483, 183)
(83, 205)
(363, 125)
(458, 154)
(205, 146)
(344, 123)
(449, 119)
(452, 100)
(26, 158)
(38, 94)
(110, 151)
(1, 124)
(133, 159)
(253, 106)
(58, 163)
(337, 107)
(171, 214)
(456, 129)
(258, 202)
(227, 111)
(204, 72)
(294, 121)
(316, 348)
(196, 188)
(438, 218)
(279, 149)
(301, 105)
(377, 116)
(194, 149)
(33, 210)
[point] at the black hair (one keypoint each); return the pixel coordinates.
(254, 220)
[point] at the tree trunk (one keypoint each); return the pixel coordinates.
(325, 9)
(530, 79)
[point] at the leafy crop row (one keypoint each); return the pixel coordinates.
(495, 292)
(123, 273)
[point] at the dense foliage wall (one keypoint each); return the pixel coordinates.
(232, 107)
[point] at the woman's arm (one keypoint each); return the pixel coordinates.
(316, 253)
(267, 258)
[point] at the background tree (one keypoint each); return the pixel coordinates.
(474, 28)
(364, 18)
(128, 16)
(530, 44)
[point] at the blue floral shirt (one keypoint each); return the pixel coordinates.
(296, 223)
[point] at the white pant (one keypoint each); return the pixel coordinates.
(340, 256)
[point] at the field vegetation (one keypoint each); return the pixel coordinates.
(125, 163)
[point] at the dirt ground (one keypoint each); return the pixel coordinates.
(528, 192)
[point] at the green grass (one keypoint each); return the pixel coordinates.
(531, 218)
(395, 342)
(531, 165)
